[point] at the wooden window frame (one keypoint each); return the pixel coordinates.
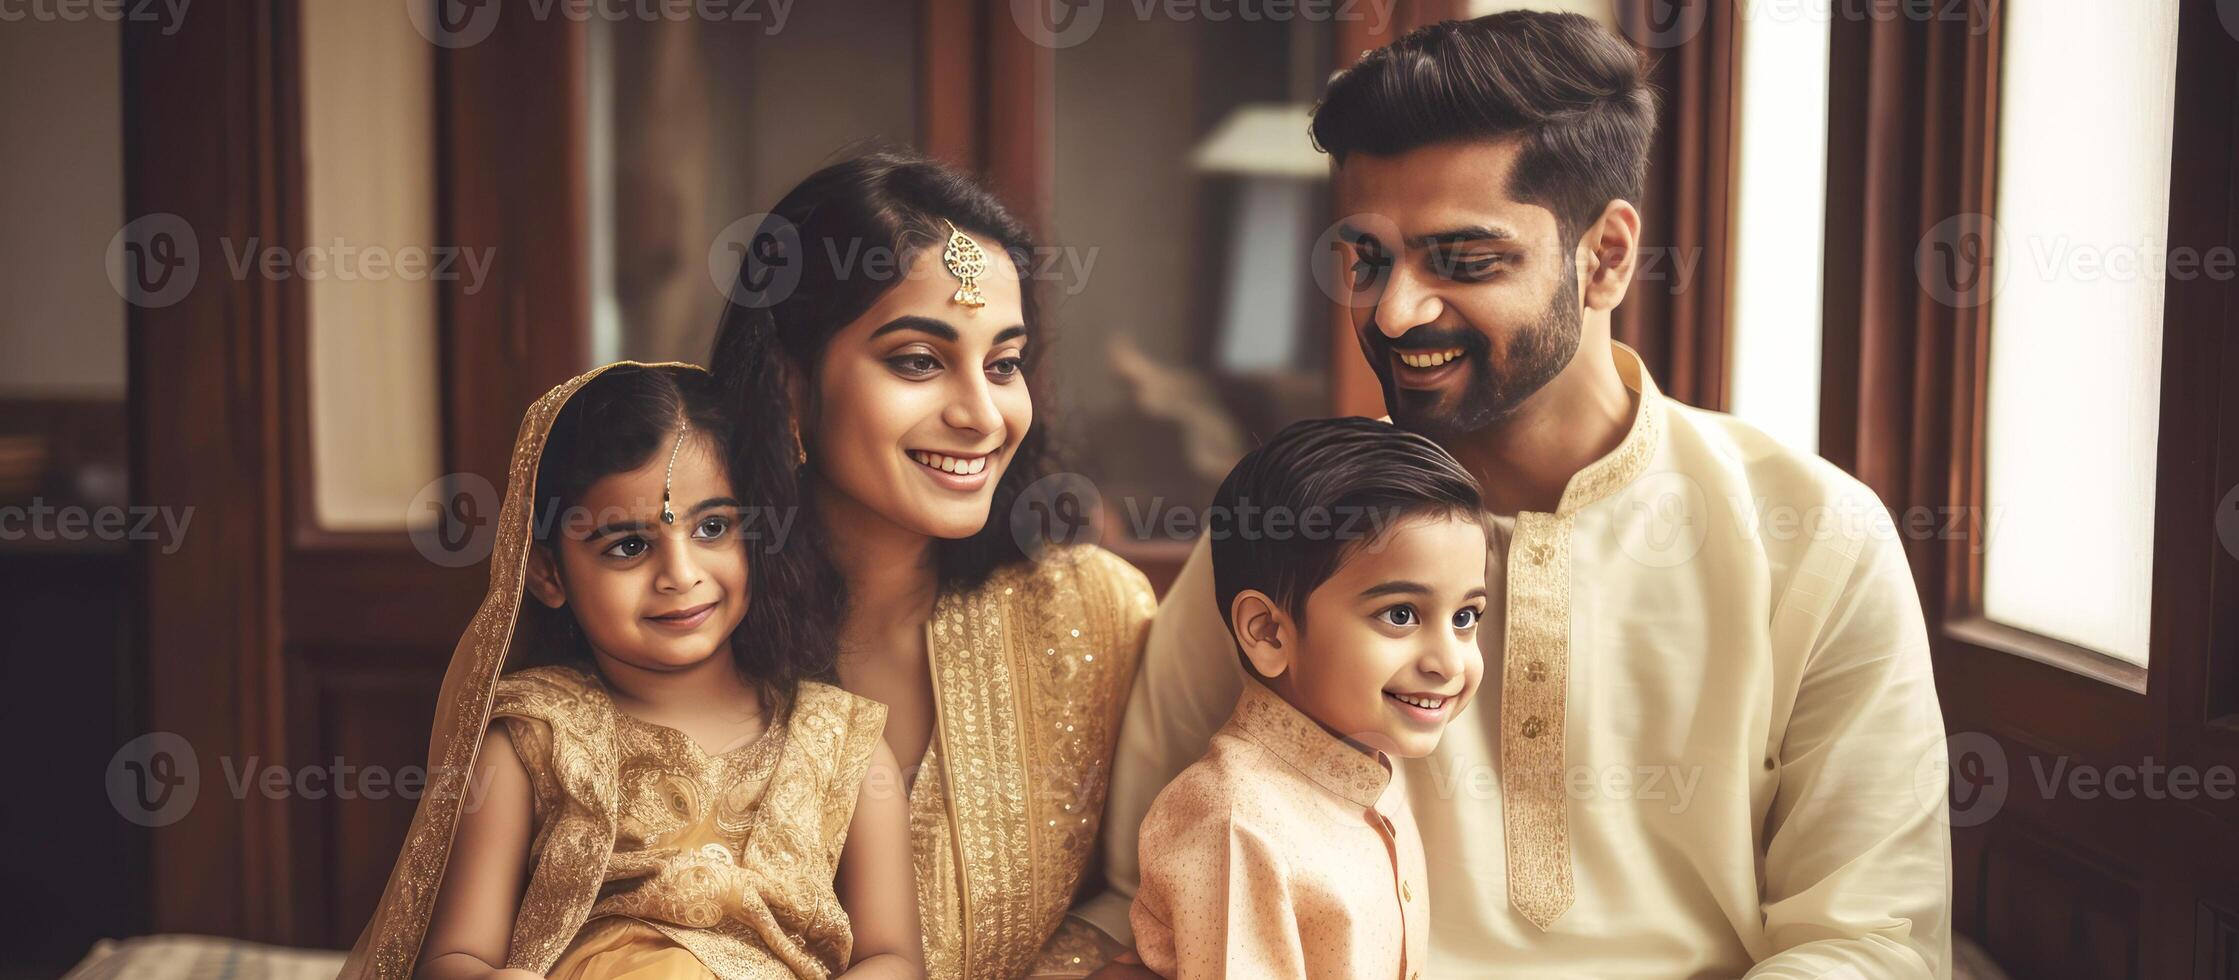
(1914, 107)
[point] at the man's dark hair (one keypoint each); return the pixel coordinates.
(1571, 91)
(1338, 472)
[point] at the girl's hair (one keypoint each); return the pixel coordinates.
(822, 257)
(617, 422)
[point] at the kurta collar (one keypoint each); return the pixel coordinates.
(1263, 717)
(1624, 464)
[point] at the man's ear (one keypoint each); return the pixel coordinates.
(1264, 632)
(1612, 255)
(544, 578)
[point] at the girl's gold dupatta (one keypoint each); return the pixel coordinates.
(390, 945)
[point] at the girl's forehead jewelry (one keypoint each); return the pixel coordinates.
(667, 480)
(967, 262)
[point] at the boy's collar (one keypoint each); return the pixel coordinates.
(1279, 727)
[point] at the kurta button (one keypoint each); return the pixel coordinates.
(1535, 671)
(1533, 726)
(1768, 763)
(1541, 553)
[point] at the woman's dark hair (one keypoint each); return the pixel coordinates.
(615, 423)
(1292, 511)
(1572, 91)
(805, 275)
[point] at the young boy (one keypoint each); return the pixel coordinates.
(1349, 562)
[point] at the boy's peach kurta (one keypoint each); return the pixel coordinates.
(1283, 853)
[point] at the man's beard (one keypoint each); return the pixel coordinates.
(1536, 354)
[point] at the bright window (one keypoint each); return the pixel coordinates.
(2075, 343)
(1780, 194)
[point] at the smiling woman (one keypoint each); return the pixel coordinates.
(862, 317)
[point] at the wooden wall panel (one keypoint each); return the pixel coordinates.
(2053, 915)
(372, 709)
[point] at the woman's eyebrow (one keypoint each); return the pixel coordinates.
(921, 324)
(1010, 333)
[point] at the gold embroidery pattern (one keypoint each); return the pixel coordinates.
(730, 856)
(1031, 672)
(1532, 717)
(933, 857)
(567, 744)
(986, 772)
(1611, 473)
(1076, 950)
(1535, 668)
(1263, 717)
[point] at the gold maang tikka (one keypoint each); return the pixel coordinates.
(669, 516)
(967, 263)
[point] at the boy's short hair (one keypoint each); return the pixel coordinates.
(1293, 510)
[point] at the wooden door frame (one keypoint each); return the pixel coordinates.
(261, 621)
(202, 143)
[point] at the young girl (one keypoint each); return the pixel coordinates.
(659, 789)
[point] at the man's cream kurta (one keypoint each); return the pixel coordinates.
(1708, 744)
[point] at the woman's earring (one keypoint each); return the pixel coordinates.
(800, 449)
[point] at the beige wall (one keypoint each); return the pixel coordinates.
(62, 198)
